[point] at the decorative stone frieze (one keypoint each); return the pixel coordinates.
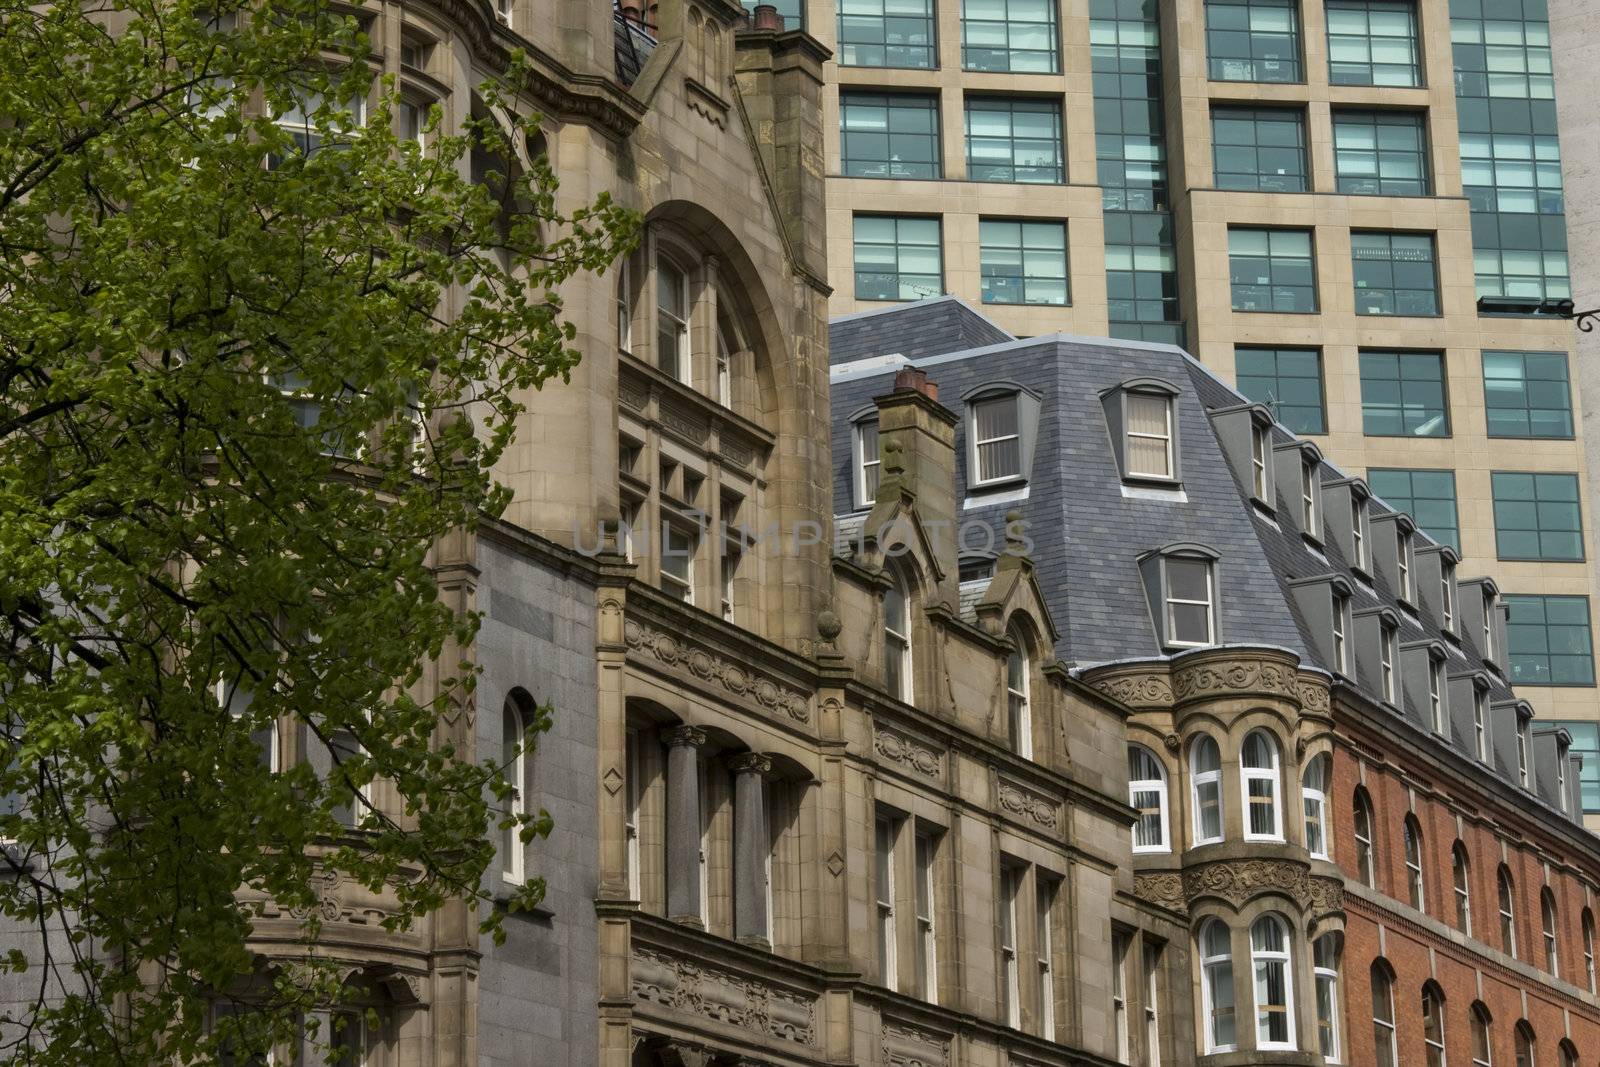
(1164, 889)
(907, 752)
(1026, 804)
(1236, 881)
(1141, 690)
(1327, 895)
(1313, 695)
(710, 992)
(1226, 678)
(738, 680)
(905, 1045)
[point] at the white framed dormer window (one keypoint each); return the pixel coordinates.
(897, 640)
(996, 440)
(1314, 798)
(1487, 642)
(1260, 782)
(867, 462)
(1389, 660)
(672, 320)
(1187, 597)
(1524, 755)
(1403, 562)
(1358, 532)
(1216, 987)
(1436, 709)
(1150, 451)
(1310, 502)
(1269, 958)
(1341, 633)
(1447, 596)
(1480, 723)
(1260, 448)
(1147, 793)
(1205, 776)
(1019, 713)
(1561, 779)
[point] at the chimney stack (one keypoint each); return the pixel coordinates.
(917, 380)
(767, 18)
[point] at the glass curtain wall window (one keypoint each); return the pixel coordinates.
(1461, 879)
(1314, 794)
(1413, 845)
(1271, 270)
(1014, 140)
(1023, 262)
(1373, 42)
(1527, 394)
(1147, 793)
(1433, 1026)
(1428, 496)
(1259, 148)
(1190, 603)
(996, 439)
(1383, 1031)
(1380, 153)
(1269, 957)
(897, 258)
(1537, 516)
(1010, 36)
(897, 641)
(1402, 394)
(1325, 975)
(1206, 775)
(1395, 274)
(1259, 774)
(889, 135)
(1216, 969)
(1149, 435)
(1253, 40)
(1019, 716)
(886, 33)
(1288, 381)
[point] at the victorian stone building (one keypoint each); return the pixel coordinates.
(1352, 841)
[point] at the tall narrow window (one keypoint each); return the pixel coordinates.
(724, 367)
(1524, 778)
(624, 305)
(672, 320)
(927, 941)
(1310, 519)
(897, 641)
(1447, 597)
(997, 439)
(630, 826)
(1588, 950)
(513, 760)
(1402, 552)
(1260, 783)
(1362, 825)
(1487, 638)
(1341, 631)
(1150, 435)
(1525, 1044)
(1482, 1056)
(1383, 1037)
(1433, 1025)
(867, 462)
(1480, 724)
(1147, 792)
(1436, 694)
(1414, 884)
(1216, 987)
(1388, 642)
(1119, 995)
(1358, 531)
(1547, 921)
(1152, 1005)
(1508, 914)
(1206, 775)
(1010, 991)
(1460, 877)
(1044, 948)
(1190, 597)
(1269, 956)
(887, 969)
(677, 563)
(1314, 794)
(1325, 972)
(1018, 711)
(1260, 441)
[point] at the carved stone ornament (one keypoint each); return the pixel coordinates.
(632, 394)
(710, 992)
(1164, 889)
(740, 681)
(686, 424)
(1137, 690)
(1327, 896)
(1238, 881)
(1313, 697)
(1173, 743)
(1239, 676)
(1027, 804)
(905, 1045)
(913, 755)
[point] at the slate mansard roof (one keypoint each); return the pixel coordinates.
(1087, 526)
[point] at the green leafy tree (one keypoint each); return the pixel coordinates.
(258, 356)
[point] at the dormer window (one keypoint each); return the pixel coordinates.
(1524, 754)
(866, 465)
(1260, 446)
(1358, 532)
(1436, 716)
(996, 440)
(1142, 417)
(1341, 632)
(1388, 660)
(1480, 723)
(1447, 596)
(1486, 645)
(1310, 494)
(1190, 602)
(1403, 561)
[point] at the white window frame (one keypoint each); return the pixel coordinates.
(1263, 961)
(1549, 928)
(886, 834)
(1561, 779)
(1170, 452)
(224, 693)
(979, 476)
(1480, 1025)
(1358, 535)
(1019, 708)
(703, 853)
(1156, 785)
(864, 499)
(897, 642)
(1206, 780)
(1216, 971)
(625, 305)
(683, 371)
(729, 567)
(1386, 1023)
(1010, 979)
(1461, 882)
(1389, 660)
(1524, 755)
(1588, 950)
(1210, 603)
(1260, 443)
(680, 585)
(724, 369)
(1416, 887)
(1506, 900)
(1341, 633)
(1433, 1048)
(1151, 957)
(502, 11)
(1315, 800)
(1119, 995)
(1325, 975)
(513, 870)
(1489, 602)
(1403, 562)
(1044, 951)
(1273, 776)
(1436, 709)
(630, 814)
(927, 851)
(1310, 514)
(1366, 844)
(1480, 723)
(1447, 598)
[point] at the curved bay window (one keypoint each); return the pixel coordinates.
(1216, 987)
(1269, 958)
(1314, 797)
(1260, 781)
(1206, 779)
(1147, 793)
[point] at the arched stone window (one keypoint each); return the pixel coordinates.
(1147, 792)
(513, 761)
(1508, 913)
(1482, 1050)
(1416, 890)
(1314, 797)
(1260, 782)
(1361, 820)
(1433, 1024)
(897, 638)
(1461, 880)
(1547, 922)
(1019, 706)
(1569, 1053)
(1216, 987)
(1588, 950)
(1269, 959)
(1205, 778)
(1383, 1032)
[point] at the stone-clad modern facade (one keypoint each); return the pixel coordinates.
(1354, 840)
(1313, 198)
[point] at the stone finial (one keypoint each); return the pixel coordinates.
(893, 462)
(828, 625)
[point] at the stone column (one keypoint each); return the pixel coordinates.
(752, 843)
(683, 824)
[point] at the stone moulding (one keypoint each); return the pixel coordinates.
(1238, 676)
(1236, 881)
(721, 995)
(1142, 690)
(905, 1045)
(1164, 889)
(678, 652)
(1023, 802)
(915, 756)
